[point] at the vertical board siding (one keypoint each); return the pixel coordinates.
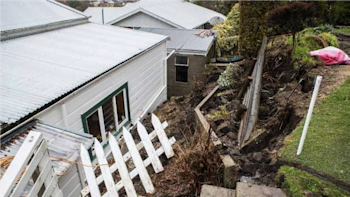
(142, 20)
(143, 76)
(70, 183)
(32, 158)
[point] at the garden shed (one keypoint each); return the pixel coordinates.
(190, 50)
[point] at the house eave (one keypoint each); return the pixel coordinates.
(32, 116)
(21, 32)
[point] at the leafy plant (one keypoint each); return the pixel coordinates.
(227, 36)
(292, 18)
(319, 29)
(230, 77)
(330, 38)
(309, 42)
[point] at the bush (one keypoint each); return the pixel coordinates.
(292, 18)
(252, 25)
(230, 78)
(319, 29)
(308, 42)
(343, 30)
(227, 37)
(330, 38)
(340, 13)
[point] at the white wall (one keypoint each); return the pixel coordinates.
(70, 184)
(143, 20)
(145, 78)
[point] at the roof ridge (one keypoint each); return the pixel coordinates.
(67, 8)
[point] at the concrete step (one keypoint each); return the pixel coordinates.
(251, 190)
(214, 191)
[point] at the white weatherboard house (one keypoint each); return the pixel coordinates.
(73, 77)
(156, 14)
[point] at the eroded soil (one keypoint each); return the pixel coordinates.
(285, 97)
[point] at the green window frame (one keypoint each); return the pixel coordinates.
(98, 108)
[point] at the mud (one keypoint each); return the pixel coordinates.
(285, 96)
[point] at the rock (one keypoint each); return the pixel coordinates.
(232, 135)
(248, 189)
(287, 76)
(223, 129)
(234, 152)
(265, 94)
(231, 169)
(247, 179)
(250, 167)
(307, 84)
(219, 121)
(213, 191)
(257, 156)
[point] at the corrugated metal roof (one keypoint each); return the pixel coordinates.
(181, 13)
(38, 69)
(109, 13)
(183, 40)
(18, 14)
(62, 144)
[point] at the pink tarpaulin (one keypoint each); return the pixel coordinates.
(331, 56)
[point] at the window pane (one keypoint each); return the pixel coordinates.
(108, 116)
(181, 74)
(120, 107)
(94, 126)
(181, 60)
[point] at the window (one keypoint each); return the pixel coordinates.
(108, 116)
(181, 60)
(94, 125)
(181, 66)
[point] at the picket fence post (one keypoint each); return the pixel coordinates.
(120, 161)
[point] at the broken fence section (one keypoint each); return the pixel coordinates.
(31, 172)
(120, 161)
(251, 99)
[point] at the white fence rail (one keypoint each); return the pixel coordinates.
(121, 160)
(31, 172)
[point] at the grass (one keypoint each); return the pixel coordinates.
(343, 30)
(299, 183)
(327, 143)
(309, 40)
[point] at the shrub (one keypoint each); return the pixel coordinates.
(319, 29)
(230, 78)
(305, 44)
(227, 37)
(330, 38)
(252, 25)
(309, 40)
(343, 30)
(292, 18)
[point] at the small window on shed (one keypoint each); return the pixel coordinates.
(181, 66)
(181, 60)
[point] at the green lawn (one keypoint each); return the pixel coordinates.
(327, 144)
(299, 183)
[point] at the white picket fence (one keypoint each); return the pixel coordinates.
(38, 178)
(120, 161)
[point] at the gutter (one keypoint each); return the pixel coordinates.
(68, 95)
